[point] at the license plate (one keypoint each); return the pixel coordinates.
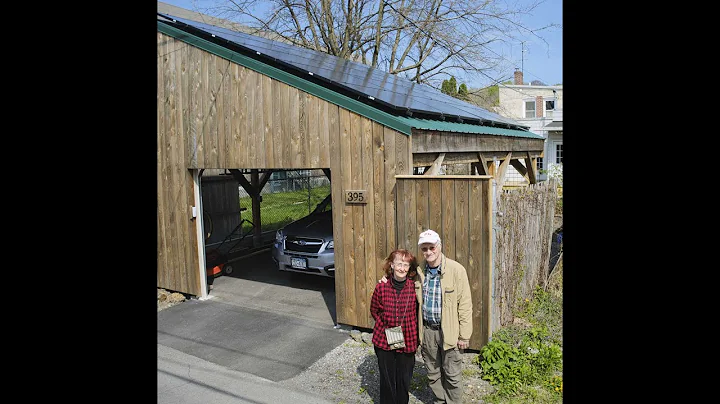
(299, 263)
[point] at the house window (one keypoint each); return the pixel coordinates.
(549, 108)
(529, 109)
(559, 153)
(539, 163)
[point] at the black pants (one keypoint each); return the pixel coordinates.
(396, 371)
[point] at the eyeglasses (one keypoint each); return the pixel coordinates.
(424, 249)
(402, 264)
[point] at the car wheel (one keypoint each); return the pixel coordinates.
(227, 269)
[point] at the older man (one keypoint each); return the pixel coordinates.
(445, 319)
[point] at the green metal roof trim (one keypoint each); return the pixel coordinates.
(399, 123)
(445, 126)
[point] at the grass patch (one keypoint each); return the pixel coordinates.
(281, 208)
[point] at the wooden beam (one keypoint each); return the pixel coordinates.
(255, 180)
(435, 167)
(425, 141)
(531, 163)
(255, 193)
(264, 180)
(502, 170)
(491, 168)
(519, 167)
(426, 159)
(485, 164)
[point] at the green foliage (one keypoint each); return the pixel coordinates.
(463, 90)
(554, 385)
(524, 362)
(543, 309)
(503, 366)
(448, 87)
(281, 208)
(493, 93)
(488, 97)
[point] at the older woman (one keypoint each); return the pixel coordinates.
(395, 304)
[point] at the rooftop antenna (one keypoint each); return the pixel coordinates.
(522, 58)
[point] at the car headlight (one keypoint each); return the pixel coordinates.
(279, 236)
(331, 245)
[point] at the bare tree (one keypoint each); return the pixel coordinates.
(425, 41)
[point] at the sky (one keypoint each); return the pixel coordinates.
(539, 61)
(542, 61)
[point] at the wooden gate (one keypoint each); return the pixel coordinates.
(459, 208)
(221, 203)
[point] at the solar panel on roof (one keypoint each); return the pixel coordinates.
(394, 92)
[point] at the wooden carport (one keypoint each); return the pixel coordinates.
(221, 109)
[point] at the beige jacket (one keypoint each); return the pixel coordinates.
(456, 322)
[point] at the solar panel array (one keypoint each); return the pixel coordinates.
(375, 85)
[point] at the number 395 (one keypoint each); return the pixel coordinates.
(354, 196)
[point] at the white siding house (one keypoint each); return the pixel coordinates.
(540, 108)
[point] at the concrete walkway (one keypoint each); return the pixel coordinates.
(186, 379)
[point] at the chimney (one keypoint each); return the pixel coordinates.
(518, 77)
(538, 106)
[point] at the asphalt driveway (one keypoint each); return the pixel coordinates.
(257, 320)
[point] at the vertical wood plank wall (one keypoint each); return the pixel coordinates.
(459, 208)
(176, 236)
(221, 200)
(216, 114)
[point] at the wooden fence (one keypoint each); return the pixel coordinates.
(458, 207)
(524, 224)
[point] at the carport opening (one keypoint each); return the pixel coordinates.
(245, 211)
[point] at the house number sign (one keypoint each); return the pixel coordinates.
(355, 196)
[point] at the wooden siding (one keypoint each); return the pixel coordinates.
(177, 239)
(459, 208)
(216, 114)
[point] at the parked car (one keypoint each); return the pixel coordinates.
(306, 245)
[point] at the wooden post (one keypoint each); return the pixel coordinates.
(255, 181)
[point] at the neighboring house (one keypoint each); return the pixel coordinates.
(540, 108)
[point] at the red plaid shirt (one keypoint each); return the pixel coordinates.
(388, 308)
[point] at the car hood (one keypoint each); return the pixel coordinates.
(317, 225)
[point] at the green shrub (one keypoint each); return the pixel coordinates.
(525, 362)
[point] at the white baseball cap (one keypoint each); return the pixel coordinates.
(429, 236)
